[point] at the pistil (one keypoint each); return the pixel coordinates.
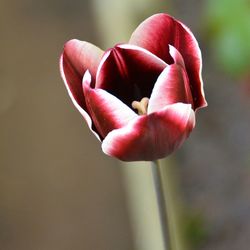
(141, 106)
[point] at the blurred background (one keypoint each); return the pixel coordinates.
(58, 191)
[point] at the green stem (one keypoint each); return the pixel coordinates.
(161, 204)
(172, 209)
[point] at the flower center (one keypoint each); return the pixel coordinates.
(141, 106)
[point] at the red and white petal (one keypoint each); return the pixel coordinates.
(82, 56)
(129, 72)
(127, 59)
(171, 87)
(160, 30)
(176, 55)
(107, 112)
(84, 113)
(153, 136)
(77, 57)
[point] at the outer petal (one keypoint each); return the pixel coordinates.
(156, 32)
(107, 112)
(153, 136)
(84, 113)
(171, 87)
(76, 58)
(129, 72)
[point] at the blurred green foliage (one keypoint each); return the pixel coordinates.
(195, 230)
(228, 23)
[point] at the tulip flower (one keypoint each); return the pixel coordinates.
(139, 99)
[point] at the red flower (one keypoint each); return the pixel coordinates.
(138, 98)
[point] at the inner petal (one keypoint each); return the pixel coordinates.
(129, 72)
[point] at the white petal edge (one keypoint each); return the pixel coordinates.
(176, 55)
(134, 47)
(86, 77)
(200, 56)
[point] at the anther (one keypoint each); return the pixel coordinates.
(141, 106)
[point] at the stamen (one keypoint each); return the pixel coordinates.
(141, 106)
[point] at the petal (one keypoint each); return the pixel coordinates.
(152, 136)
(156, 32)
(84, 113)
(129, 72)
(176, 55)
(107, 111)
(76, 58)
(171, 87)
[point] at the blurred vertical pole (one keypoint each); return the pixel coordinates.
(117, 19)
(115, 23)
